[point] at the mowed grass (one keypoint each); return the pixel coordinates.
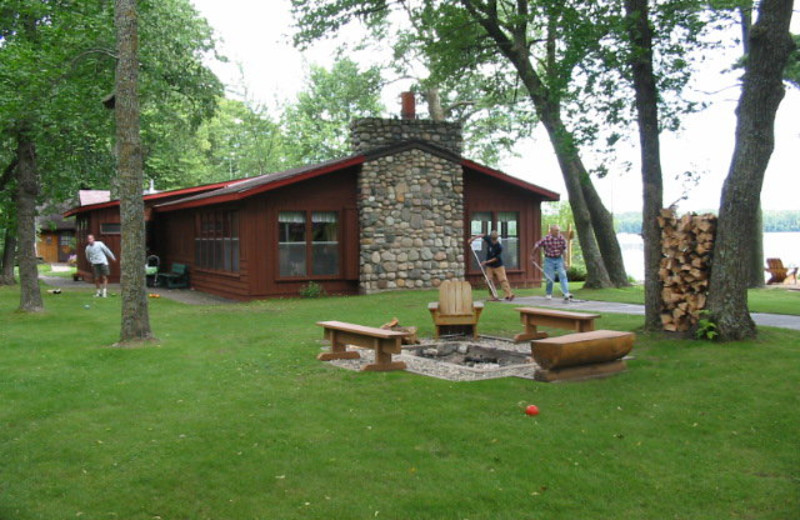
(230, 416)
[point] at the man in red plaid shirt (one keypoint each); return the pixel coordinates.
(554, 245)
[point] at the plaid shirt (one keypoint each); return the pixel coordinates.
(554, 246)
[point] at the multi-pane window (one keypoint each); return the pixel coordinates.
(217, 241)
(308, 243)
(110, 228)
(507, 225)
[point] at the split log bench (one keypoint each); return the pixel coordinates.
(581, 355)
(531, 318)
(383, 342)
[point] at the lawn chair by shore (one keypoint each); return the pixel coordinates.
(779, 273)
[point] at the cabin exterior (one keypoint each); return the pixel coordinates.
(396, 214)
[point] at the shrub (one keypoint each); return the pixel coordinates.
(576, 274)
(312, 290)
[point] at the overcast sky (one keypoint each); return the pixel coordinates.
(254, 36)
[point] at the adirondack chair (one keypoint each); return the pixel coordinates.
(778, 273)
(455, 311)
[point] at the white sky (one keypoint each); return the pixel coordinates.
(255, 37)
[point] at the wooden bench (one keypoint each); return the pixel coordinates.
(581, 355)
(177, 278)
(531, 318)
(383, 342)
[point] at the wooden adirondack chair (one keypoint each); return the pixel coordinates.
(778, 273)
(455, 310)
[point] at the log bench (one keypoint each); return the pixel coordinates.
(383, 342)
(532, 317)
(581, 355)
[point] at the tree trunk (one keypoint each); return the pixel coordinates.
(435, 109)
(30, 297)
(596, 273)
(755, 277)
(547, 104)
(9, 257)
(756, 273)
(604, 232)
(135, 315)
(640, 34)
(762, 91)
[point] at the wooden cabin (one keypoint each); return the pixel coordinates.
(396, 214)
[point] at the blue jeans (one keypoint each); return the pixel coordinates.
(551, 266)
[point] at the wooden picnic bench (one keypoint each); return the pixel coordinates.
(581, 355)
(532, 317)
(384, 342)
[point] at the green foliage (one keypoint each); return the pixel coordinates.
(792, 72)
(57, 65)
(576, 274)
(230, 415)
(706, 328)
(312, 290)
(317, 124)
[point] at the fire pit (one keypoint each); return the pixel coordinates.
(460, 358)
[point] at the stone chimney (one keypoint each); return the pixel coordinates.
(411, 204)
(370, 133)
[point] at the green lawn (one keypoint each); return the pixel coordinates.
(230, 416)
(772, 300)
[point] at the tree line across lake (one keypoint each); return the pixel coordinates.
(775, 221)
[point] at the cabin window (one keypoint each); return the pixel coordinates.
(308, 243)
(110, 228)
(217, 241)
(507, 225)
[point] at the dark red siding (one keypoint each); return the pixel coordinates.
(483, 193)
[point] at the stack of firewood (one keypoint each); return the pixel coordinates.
(686, 245)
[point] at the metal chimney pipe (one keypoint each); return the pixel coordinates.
(409, 106)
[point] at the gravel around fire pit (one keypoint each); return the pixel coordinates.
(523, 366)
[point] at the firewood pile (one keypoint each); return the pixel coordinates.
(685, 272)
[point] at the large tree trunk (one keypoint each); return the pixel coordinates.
(596, 273)
(762, 91)
(8, 259)
(756, 273)
(604, 232)
(644, 83)
(30, 298)
(548, 111)
(135, 314)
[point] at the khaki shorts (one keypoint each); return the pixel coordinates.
(100, 270)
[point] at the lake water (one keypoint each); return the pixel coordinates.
(785, 246)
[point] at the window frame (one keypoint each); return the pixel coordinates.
(494, 222)
(110, 228)
(217, 243)
(310, 233)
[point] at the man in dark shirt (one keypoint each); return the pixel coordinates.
(494, 263)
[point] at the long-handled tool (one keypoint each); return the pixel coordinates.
(488, 281)
(543, 272)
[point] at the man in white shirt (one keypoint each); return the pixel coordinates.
(98, 254)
